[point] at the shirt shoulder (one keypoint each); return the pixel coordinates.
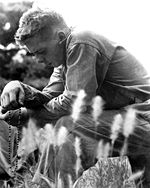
(95, 40)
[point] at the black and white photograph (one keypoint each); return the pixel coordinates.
(74, 94)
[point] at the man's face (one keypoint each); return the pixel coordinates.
(46, 49)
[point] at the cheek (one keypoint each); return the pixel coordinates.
(48, 56)
(54, 53)
(59, 53)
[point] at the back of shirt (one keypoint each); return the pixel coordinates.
(126, 81)
(121, 78)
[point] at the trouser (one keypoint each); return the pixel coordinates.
(4, 148)
(59, 158)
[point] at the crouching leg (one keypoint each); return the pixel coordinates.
(7, 149)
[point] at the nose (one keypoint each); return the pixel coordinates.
(39, 58)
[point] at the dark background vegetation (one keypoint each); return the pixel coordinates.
(16, 63)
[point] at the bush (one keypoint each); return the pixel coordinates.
(9, 19)
(15, 63)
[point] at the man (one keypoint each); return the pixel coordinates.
(81, 60)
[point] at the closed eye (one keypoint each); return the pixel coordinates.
(39, 52)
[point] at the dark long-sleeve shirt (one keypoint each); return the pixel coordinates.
(98, 66)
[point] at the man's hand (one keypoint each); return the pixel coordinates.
(12, 96)
(13, 116)
(3, 116)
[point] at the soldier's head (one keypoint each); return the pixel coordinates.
(43, 33)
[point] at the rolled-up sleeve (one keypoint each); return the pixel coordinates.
(56, 83)
(55, 87)
(81, 72)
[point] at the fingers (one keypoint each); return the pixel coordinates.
(12, 96)
(5, 100)
(3, 116)
(21, 97)
(13, 103)
(9, 100)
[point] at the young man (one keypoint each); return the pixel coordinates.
(81, 60)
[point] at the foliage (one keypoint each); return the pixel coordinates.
(15, 63)
(50, 140)
(9, 19)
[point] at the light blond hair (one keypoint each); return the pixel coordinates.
(34, 20)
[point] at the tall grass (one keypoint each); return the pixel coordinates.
(45, 137)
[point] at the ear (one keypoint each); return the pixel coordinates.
(61, 36)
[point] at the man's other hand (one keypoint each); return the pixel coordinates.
(12, 96)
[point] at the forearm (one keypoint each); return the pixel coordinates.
(61, 105)
(33, 97)
(55, 87)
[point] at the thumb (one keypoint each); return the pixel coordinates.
(4, 116)
(21, 96)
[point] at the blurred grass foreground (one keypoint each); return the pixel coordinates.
(17, 64)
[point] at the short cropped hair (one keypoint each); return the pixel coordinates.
(33, 21)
